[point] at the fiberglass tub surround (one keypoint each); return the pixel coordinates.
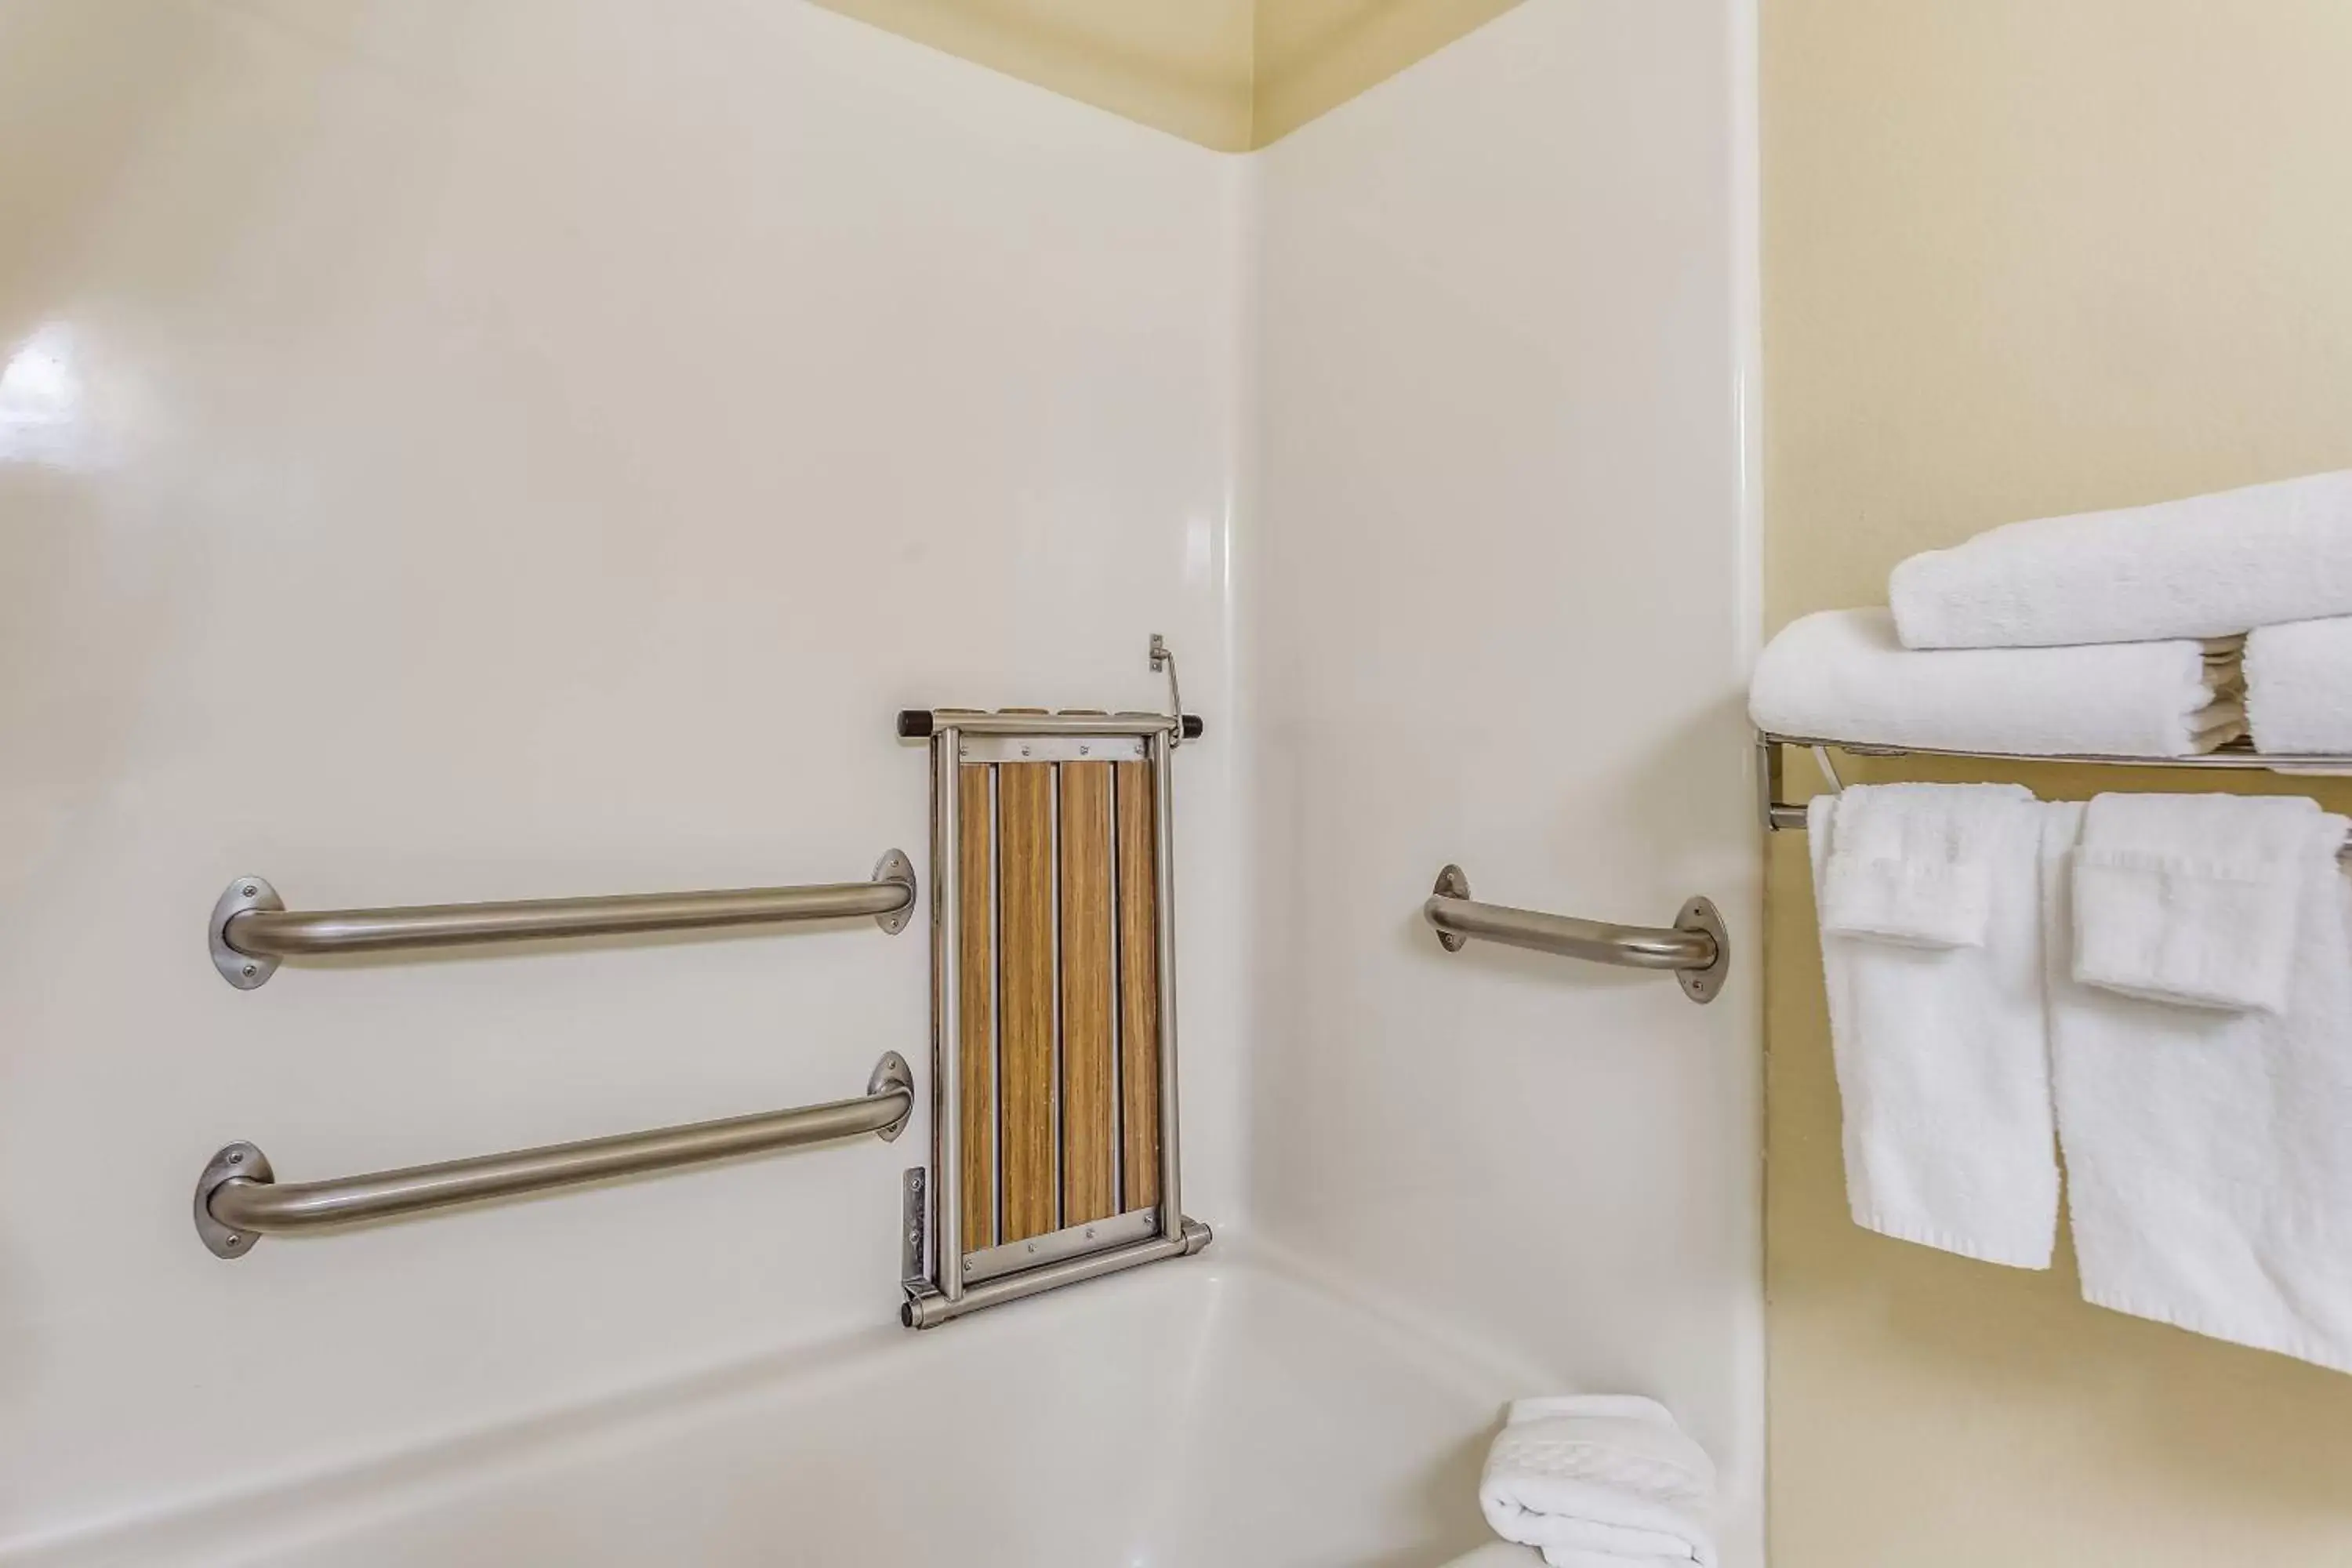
(518, 451)
(1227, 1411)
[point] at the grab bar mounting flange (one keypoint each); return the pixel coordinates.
(1451, 883)
(1702, 985)
(231, 1162)
(243, 970)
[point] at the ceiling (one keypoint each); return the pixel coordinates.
(1229, 73)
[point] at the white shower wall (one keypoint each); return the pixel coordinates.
(1507, 598)
(455, 450)
(471, 451)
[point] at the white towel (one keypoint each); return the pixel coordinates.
(1907, 865)
(2299, 687)
(1840, 675)
(2206, 566)
(2208, 1167)
(1942, 1055)
(1599, 1481)
(2191, 899)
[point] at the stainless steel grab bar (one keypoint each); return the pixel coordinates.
(239, 1198)
(252, 929)
(1697, 947)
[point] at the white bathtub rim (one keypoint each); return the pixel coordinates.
(350, 1492)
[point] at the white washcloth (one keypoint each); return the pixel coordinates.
(1599, 1481)
(2191, 899)
(2202, 567)
(2299, 687)
(2208, 1169)
(1840, 675)
(1943, 1063)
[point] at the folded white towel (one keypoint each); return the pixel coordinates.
(1599, 1479)
(1942, 1056)
(1840, 675)
(2299, 687)
(1908, 865)
(2191, 899)
(2208, 1169)
(2202, 567)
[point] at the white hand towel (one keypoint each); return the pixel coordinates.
(1942, 1056)
(2208, 1168)
(1597, 1479)
(2191, 898)
(2299, 687)
(2202, 567)
(1840, 675)
(1907, 865)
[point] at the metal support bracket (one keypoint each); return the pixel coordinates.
(1162, 659)
(914, 1215)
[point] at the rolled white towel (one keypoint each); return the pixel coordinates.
(2299, 687)
(1841, 675)
(1599, 1481)
(2206, 566)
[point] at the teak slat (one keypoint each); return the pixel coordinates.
(1138, 984)
(1025, 962)
(976, 1012)
(1089, 1190)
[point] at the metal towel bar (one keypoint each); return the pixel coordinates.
(1697, 947)
(1778, 816)
(251, 928)
(239, 1198)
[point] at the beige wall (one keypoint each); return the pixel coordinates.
(2024, 257)
(1229, 73)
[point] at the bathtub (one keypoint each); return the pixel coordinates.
(1223, 1411)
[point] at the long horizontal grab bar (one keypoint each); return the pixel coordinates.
(239, 1197)
(252, 928)
(1697, 947)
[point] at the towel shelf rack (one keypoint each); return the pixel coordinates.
(1778, 814)
(1695, 948)
(239, 1198)
(251, 928)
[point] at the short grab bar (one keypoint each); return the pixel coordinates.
(252, 928)
(239, 1197)
(1697, 947)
